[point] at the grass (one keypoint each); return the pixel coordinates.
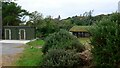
(80, 28)
(36, 43)
(31, 56)
(85, 42)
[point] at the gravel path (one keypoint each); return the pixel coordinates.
(10, 52)
(0, 55)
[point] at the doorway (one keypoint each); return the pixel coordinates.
(22, 34)
(7, 34)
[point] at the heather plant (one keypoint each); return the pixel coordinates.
(61, 58)
(62, 40)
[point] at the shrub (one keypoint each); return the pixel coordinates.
(62, 40)
(61, 58)
(106, 42)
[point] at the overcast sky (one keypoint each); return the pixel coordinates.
(69, 8)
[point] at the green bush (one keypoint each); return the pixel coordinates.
(62, 40)
(61, 58)
(106, 42)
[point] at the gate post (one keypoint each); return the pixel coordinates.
(0, 20)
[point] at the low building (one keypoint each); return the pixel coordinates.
(18, 33)
(80, 31)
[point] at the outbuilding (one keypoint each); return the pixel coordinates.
(18, 32)
(80, 31)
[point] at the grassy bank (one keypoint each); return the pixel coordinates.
(32, 54)
(85, 42)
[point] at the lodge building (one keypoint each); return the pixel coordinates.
(80, 31)
(18, 33)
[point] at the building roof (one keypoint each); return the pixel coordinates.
(19, 26)
(79, 29)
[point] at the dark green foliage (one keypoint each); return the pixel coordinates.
(62, 39)
(48, 25)
(65, 24)
(106, 42)
(99, 17)
(12, 14)
(61, 50)
(61, 58)
(115, 17)
(82, 20)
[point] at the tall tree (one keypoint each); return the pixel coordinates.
(35, 19)
(12, 14)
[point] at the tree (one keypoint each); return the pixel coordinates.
(35, 19)
(12, 14)
(84, 19)
(59, 17)
(65, 24)
(106, 42)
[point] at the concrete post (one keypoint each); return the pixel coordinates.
(0, 20)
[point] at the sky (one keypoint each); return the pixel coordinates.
(69, 8)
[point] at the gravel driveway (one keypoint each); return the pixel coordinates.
(0, 55)
(9, 52)
(11, 48)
